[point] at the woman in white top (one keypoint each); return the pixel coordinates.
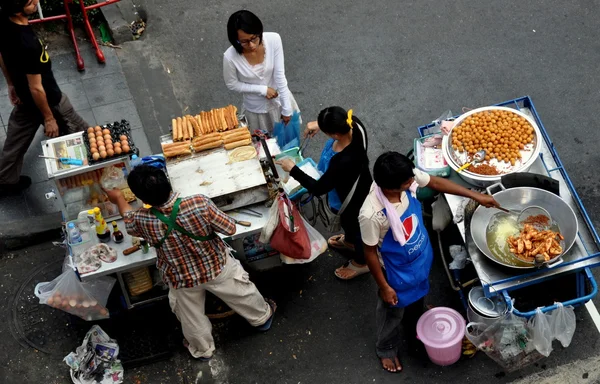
(253, 66)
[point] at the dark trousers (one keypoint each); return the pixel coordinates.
(389, 320)
(352, 236)
(23, 124)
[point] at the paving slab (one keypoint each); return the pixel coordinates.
(110, 113)
(106, 89)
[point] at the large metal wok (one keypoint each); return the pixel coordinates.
(519, 198)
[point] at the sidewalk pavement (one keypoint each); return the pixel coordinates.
(100, 95)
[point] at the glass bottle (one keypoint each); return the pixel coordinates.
(117, 234)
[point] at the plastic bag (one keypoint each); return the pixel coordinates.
(542, 333)
(288, 136)
(459, 256)
(508, 341)
(267, 231)
(84, 299)
(112, 177)
(563, 323)
(318, 245)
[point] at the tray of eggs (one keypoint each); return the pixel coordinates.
(109, 141)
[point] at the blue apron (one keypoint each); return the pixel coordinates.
(407, 267)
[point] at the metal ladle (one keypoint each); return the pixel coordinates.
(478, 157)
(526, 213)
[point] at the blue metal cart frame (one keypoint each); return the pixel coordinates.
(581, 265)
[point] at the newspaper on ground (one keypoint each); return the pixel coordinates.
(95, 361)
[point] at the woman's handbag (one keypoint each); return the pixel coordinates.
(290, 236)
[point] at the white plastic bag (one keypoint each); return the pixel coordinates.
(542, 333)
(112, 177)
(318, 245)
(563, 323)
(86, 300)
(272, 222)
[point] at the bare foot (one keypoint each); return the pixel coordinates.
(391, 365)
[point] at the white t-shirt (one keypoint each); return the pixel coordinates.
(374, 224)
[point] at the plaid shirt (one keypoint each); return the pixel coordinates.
(183, 261)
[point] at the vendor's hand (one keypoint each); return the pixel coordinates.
(51, 128)
(12, 95)
(286, 164)
(271, 93)
(312, 128)
(286, 119)
(389, 295)
(114, 195)
(487, 201)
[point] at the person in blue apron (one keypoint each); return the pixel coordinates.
(398, 250)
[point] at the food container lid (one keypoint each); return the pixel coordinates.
(441, 327)
(491, 307)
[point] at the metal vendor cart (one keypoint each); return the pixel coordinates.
(584, 255)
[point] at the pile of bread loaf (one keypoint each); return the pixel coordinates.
(216, 120)
(208, 130)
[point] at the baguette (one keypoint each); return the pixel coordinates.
(222, 119)
(199, 121)
(238, 137)
(215, 119)
(173, 127)
(211, 145)
(235, 119)
(179, 134)
(227, 118)
(190, 128)
(184, 128)
(202, 121)
(206, 121)
(169, 146)
(239, 143)
(210, 136)
(178, 152)
(236, 131)
(195, 126)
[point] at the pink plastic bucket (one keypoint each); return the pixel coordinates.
(441, 330)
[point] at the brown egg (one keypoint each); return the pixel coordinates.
(106, 131)
(124, 143)
(108, 144)
(103, 154)
(94, 150)
(126, 148)
(110, 152)
(101, 148)
(95, 156)
(107, 136)
(92, 139)
(93, 146)
(117, 145)
(122, 137)
(98, 129)
(100, 140)
(118, 150)
(90, 130)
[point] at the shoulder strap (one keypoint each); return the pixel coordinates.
(351, 193)
(171, 223)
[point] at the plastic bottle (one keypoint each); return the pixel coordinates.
(74, 235)
(102, 230)
(83, 223)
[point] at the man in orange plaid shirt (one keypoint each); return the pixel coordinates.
(191, 257)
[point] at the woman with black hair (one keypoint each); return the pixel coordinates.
(345, 166)
(254, 67)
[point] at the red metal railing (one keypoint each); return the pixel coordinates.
(86, 23)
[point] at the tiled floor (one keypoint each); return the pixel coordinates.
(100, 95)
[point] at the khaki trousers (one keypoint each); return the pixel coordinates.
(234, 288)
(23, 124)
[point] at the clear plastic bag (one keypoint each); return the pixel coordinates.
(563, 324)
(84, 299)
(542, 333)
(112, 177)
(318, 245)
(267, 231)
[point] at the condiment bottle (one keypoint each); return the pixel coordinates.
(102, 230)
(117, 234)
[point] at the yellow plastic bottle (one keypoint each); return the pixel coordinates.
(101, 228)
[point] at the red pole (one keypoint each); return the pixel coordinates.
(90, 33)
(80, 62)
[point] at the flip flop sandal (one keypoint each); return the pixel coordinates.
(266, 326)
(186, 344)
(357, 271)
(339, 242)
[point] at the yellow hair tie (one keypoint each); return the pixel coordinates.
(349, 119)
